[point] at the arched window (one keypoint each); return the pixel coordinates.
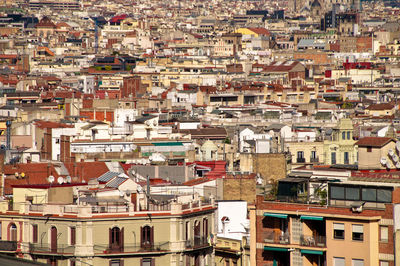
(147, 236)
(116, 239)
(12, 232)
(205, 228)
(115, 234)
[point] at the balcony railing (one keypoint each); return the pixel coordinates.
(196, 242)
(60, 249)
(276, 237)
(155, 247)
(314, 159)
(313, 241)
(300, 160)
(8, 245)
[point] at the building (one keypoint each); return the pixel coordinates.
(356, 227)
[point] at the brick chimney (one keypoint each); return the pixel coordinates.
(65, 149)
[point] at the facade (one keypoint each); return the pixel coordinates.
(107, 234)
(341, 148)
(344, 232)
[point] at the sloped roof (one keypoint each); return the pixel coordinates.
(380, 106)
(261, 31)
(376, 142)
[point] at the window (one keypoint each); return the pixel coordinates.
(12, 232)
(116, 263)
(73, 236)
(348, 134)
(147, 236)
(339, 261)
(300, 154)
(346, 158)
(357, 262)
(383, 263)
(384, 233)
(333, 158)
(205, 228)
(383, 195)
(358, 232)
(147, 262)
(34, 233)
(368, 194)
(337, 192)
(116, 239)
(187, 231)
(352, 193)
(369, 149)
(338, 231)
(313, 155)
(343, 135)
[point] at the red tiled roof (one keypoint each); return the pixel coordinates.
(35, 173)
(48, 124)
(86, 170)
(373, 142)
(381, 106)
(260, 31)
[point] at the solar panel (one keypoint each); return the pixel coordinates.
(107, 176)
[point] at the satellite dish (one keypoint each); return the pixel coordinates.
(121, 194)
(383, 161)
(60, 180)
(398, 165)
(395, 158)
(16, 175)
(22, 175)
(391, 152)
(50, 179)
(68, 179)
(139, 189)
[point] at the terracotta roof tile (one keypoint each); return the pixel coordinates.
(373, 142)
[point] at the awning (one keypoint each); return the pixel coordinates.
(276, 215)
(275, 249)
(309, 251)
(314, 218)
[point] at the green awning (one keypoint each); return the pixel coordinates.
(275, 249)
(314, 218)
(276, 215)
(309, 251)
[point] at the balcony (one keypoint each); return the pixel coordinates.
(60, 249)
(154, 248)
(276, 237)
(300, 160)
(8, 246)
(313, 241)
(314, 159)
(197, 242)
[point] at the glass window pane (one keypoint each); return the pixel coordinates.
(339, 262)
(384, 195)
(384, 233)
(352, 193)
(337, 192)
(369, 194)
(356, 262)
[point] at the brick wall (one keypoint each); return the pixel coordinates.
(270, 165)
(239, 189)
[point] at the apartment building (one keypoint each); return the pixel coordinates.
(354, 228)
(78, 224)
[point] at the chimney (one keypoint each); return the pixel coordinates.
(65, 152)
